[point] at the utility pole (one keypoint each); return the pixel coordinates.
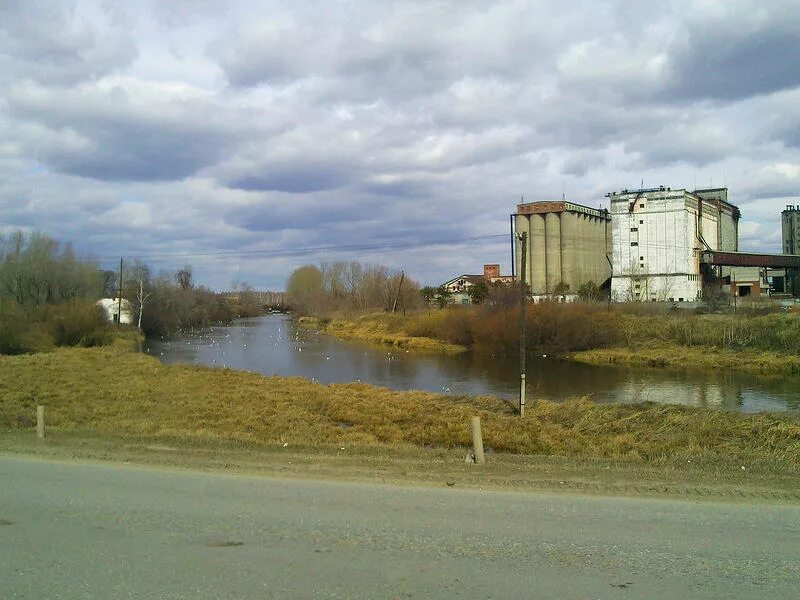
(397, 295)
(119, 295)
(523, 302)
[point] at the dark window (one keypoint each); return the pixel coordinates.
(641, 222)
(634, 243)
(641, 258)
(641, 206)
(680, 299)
(634, 229)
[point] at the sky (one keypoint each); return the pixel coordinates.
(247, 138)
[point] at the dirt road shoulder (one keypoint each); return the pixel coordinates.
(431, 467)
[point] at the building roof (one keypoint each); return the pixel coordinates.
(471, 279)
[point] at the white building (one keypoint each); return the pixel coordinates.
(111, 308)
(459, 287)
(658, 235)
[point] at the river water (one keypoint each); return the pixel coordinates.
(272, 345)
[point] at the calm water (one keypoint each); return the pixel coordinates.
(273, 346)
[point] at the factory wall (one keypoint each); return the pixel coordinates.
(655, 251)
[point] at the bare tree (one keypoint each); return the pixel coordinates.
(184, 278)
(141, 299)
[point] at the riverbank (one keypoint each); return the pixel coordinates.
(114, 392)
(673, 356)
(592, 334)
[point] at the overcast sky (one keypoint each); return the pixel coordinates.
(182, 128)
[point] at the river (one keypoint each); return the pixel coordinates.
(273, 345)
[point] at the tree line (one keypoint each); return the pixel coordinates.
(350, 286)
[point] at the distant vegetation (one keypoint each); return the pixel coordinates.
(48, 297)
(350, 288)
(171, 302)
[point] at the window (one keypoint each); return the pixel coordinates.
(641, 222)
(641, 258)
(634, 243)
(680, 299)
(634, 229)
(641, 206)
(641, 265)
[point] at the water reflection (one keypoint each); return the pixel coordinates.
(272, 345)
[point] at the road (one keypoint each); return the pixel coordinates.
(77, 530)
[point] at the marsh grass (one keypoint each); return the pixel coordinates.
(116, 392)
(616, 334)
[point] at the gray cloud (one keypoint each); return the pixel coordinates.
(119, 132)
(49, 42)
(751, 56)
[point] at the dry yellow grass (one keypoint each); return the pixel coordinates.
(113, 391)
(383, 329)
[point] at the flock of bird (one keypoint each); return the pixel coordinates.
(212, 339)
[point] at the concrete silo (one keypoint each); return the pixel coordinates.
(567, 246)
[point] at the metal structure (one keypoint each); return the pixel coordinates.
(719, 258)
(523, 309)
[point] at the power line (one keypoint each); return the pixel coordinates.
(388, 246)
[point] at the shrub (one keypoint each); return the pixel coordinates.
(78, 323)
(12, 329)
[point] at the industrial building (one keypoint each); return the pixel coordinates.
(658, 237)
(790, 228)
(656, 244)
(567, 245)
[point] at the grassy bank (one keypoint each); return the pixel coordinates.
(673, 356)
(593, 333)
(112, 391)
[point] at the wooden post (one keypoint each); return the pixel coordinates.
(477, 441)
(40, 422)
